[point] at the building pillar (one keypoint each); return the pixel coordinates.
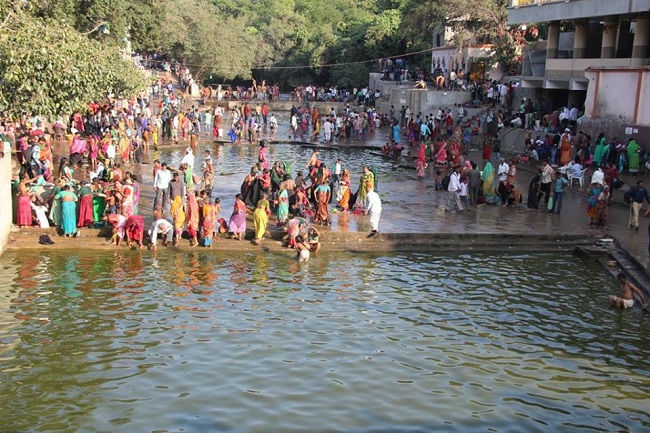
(608, 50)
(553, 40)
(641, 33)
(580, 40)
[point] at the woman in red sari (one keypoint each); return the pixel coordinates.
(192, 218)
(134, 228)
(85, 206)
(421, 164)
(487, 151)
(454, 152)
(441, 155)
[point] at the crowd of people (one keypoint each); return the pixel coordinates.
(92, 187)
(114, 134)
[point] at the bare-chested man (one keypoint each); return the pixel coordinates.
(626, 299)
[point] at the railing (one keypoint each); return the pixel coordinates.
(517, 3)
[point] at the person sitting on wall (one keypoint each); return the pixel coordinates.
(420, 84)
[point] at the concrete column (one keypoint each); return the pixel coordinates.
(553, 39)
(641, 33)
(580, 40)
(608, 50)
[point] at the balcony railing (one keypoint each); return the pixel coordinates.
(517, 3)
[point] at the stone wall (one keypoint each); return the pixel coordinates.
(5, 197)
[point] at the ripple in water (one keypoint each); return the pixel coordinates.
(360, 343)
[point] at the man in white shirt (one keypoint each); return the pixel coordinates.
(598, 177)
(163, 227)
(373, 207)
(546, 176)
(453, 197)
(327, 130)
(573, 115)
(502, 173)
(188, 158)
(337, 170)
(161, 186)
(576, 169)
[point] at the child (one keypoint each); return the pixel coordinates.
(464, 182)
(303, 249)
(313, 240)
(438, 181)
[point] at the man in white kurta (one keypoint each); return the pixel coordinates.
(373, 207)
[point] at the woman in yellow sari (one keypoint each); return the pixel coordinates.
(261, 220)
(178, 215)
(123, 145)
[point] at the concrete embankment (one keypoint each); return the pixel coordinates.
(98, 239)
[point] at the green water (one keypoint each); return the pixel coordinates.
(195, 342)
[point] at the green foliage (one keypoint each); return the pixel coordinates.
(505, 53)
(232, 40)
(198, 33)
(49, 68)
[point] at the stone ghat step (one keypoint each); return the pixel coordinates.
(331, 241)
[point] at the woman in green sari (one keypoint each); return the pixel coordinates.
(488, 176)
(55, 206)
(367, 180)
(599, 150)
(633, 156)
(99, 200)
(68, 210)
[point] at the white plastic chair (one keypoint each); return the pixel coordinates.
(580, 178)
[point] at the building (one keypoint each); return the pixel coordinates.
(596, 55)
(447, 56)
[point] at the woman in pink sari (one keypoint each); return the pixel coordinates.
(237, 223)
(209, 222)
(25, 203)
(185, 127)
(262, 155)
(127, 198)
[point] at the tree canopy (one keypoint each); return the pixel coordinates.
(73, 45)
(47, 67)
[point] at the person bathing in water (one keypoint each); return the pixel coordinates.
(626, 299)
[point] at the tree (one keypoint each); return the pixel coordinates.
(49, 68)
(198, 34)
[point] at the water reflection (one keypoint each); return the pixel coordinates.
(259, 342)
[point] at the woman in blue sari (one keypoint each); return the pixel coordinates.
(283, 206)
(488, 176)
(396, 131)
(68, 210)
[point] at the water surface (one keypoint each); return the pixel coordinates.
(351, 343)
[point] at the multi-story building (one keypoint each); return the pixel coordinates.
(596, 56)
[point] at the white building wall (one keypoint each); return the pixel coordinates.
(619, 94)
(5, 197)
